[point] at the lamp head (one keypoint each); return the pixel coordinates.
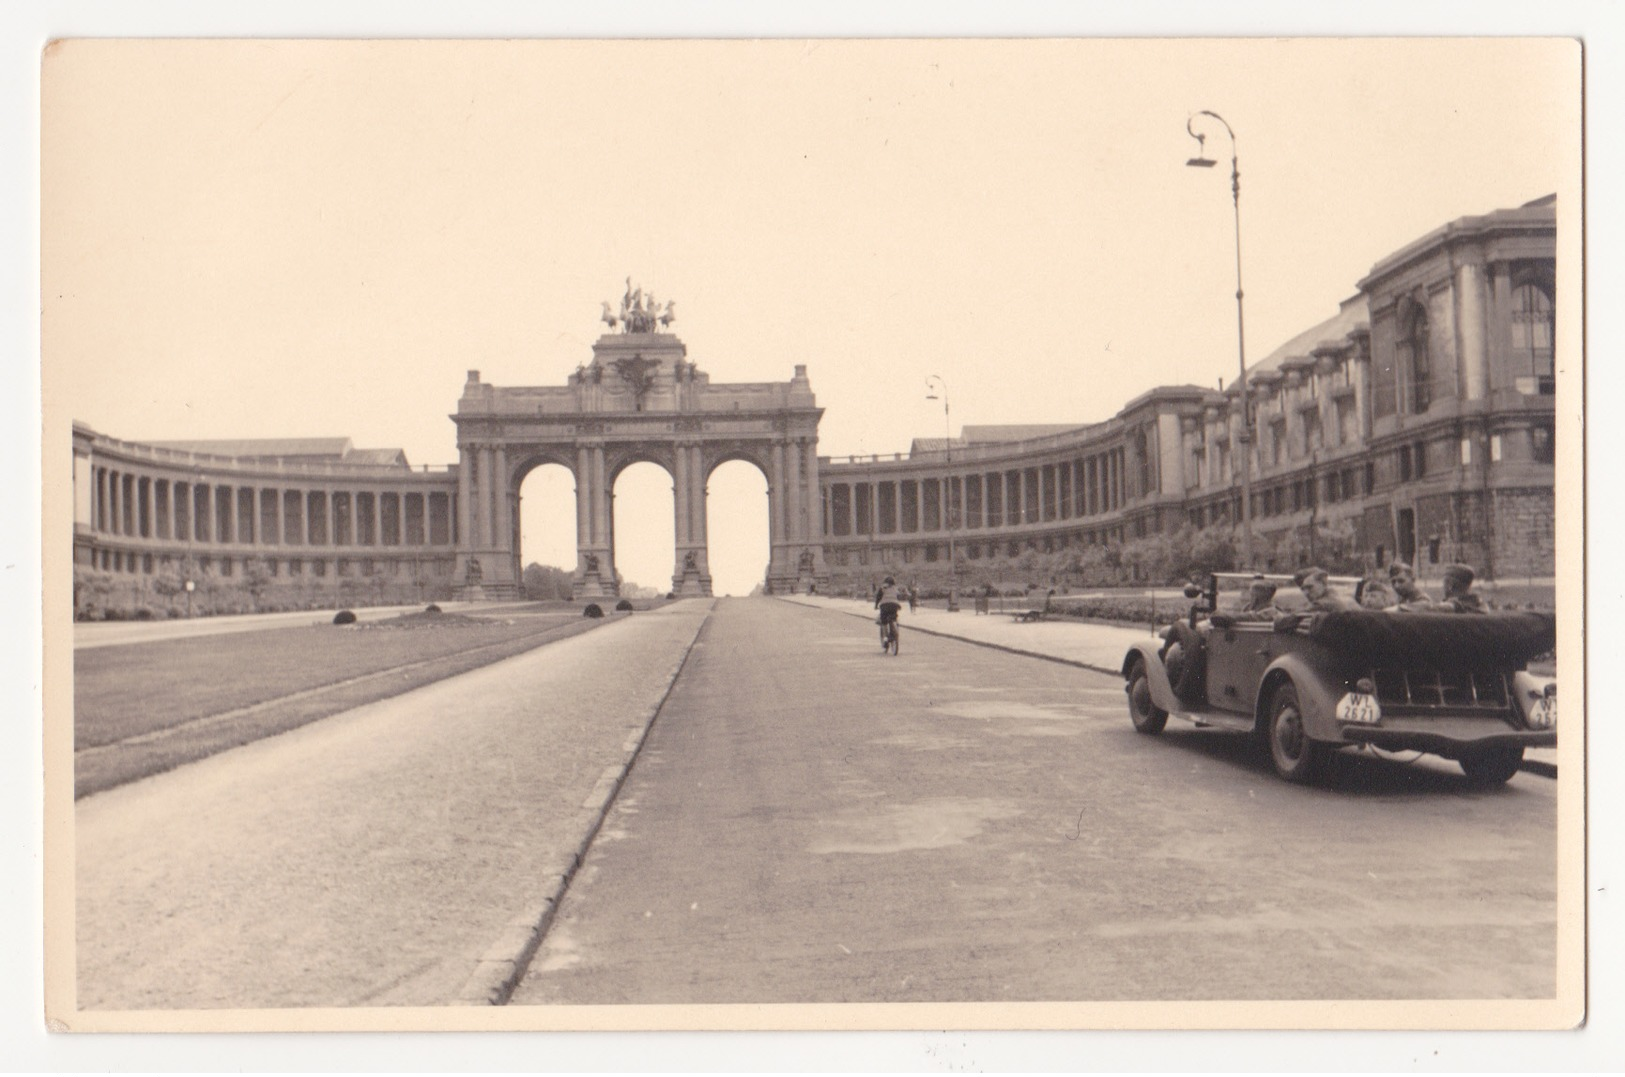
(1201, 162)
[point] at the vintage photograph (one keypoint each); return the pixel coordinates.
(811, 533)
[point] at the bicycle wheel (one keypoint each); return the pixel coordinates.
(894, 635)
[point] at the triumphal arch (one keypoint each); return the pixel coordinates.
(639, 399)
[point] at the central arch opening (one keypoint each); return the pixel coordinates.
(736, 524)
(547, 531)
(645, 529)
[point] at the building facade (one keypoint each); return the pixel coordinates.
(1417, 423)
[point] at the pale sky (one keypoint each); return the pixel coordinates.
(277, 238)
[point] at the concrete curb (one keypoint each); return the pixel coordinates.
(1532, 766)
(977, 642)
(505, 962)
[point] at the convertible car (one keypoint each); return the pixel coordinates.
(1457, 685)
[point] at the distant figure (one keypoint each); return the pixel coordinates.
(1459, 596)
(913, 598)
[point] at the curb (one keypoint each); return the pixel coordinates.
(1110, 672)
(505, 962)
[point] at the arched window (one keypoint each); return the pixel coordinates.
(1533, 333)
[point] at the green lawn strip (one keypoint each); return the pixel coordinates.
(121, 692)
(99, 769)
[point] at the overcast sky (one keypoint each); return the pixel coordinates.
(271, 239)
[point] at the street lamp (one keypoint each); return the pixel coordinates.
(1244, 439)
(935, 385)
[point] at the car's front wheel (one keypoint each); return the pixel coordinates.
(1148, 718)
(1296, 757)
(1492, 766)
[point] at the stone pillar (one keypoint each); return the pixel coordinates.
(795, 527)
(815, 488)
(680, 496)
(1471, 331)
(465, 497)
(503, 530)
(700, 524)
(583, 500)
(256, 516)
(115, 486)
(488, 534)
(605, 520)
(775, 499)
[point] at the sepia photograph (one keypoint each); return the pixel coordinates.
(813, 533)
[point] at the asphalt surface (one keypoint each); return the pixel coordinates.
(806, 820)
(810, 821)
(371, 858)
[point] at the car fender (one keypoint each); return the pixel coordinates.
(1526, 686)
(1156, 674)
(1317, 698)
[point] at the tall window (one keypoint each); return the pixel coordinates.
(1533, 333)
(1416, 337)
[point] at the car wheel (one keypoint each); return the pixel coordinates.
(1296, 757)
(1492, 766)
(1148, 718)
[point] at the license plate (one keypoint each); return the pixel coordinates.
(1358, 707)
(1543, 712)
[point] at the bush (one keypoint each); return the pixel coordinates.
(623, 606)
(344, 617)
(431, 608)
(592, 610)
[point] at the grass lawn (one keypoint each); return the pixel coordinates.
(164, 694)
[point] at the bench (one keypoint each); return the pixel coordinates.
(1027, 616)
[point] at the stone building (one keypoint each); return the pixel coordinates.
(1418, 420)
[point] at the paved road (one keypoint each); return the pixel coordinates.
(811, 821)
(370, 858)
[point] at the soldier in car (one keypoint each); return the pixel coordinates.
(1410, 597)
(1459, 596)
(1313, 583)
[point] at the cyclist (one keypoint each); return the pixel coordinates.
(889, 600)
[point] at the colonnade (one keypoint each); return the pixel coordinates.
(173, 517)
(862, 504)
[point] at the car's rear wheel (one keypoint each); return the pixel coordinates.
(1296, 757)
(1492, 766)
(1148, 718)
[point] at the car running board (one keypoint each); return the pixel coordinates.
(1211, 719)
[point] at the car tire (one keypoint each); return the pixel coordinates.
(1183, 660)
(1492, 766)
(1148, 718)
(1296, 757)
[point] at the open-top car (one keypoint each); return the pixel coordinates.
(1458, 685)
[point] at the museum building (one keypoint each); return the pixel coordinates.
(1419, 418)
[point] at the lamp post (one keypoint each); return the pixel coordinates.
(935, 385)
(1244, 439)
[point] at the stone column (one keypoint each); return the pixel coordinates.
(115, 502)
(700, 526)
(795, 528)
(815, 508)
(1471, 331)
(488, 534)
(503, 530)
(605, 519)
(680, 497)
(583, 499)
(775, 500)
(465, 467)
(256, 516)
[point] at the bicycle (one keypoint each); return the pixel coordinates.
(888, 636)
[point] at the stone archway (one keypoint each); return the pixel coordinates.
(638, 399)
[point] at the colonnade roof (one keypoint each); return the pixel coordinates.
(334, 450)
